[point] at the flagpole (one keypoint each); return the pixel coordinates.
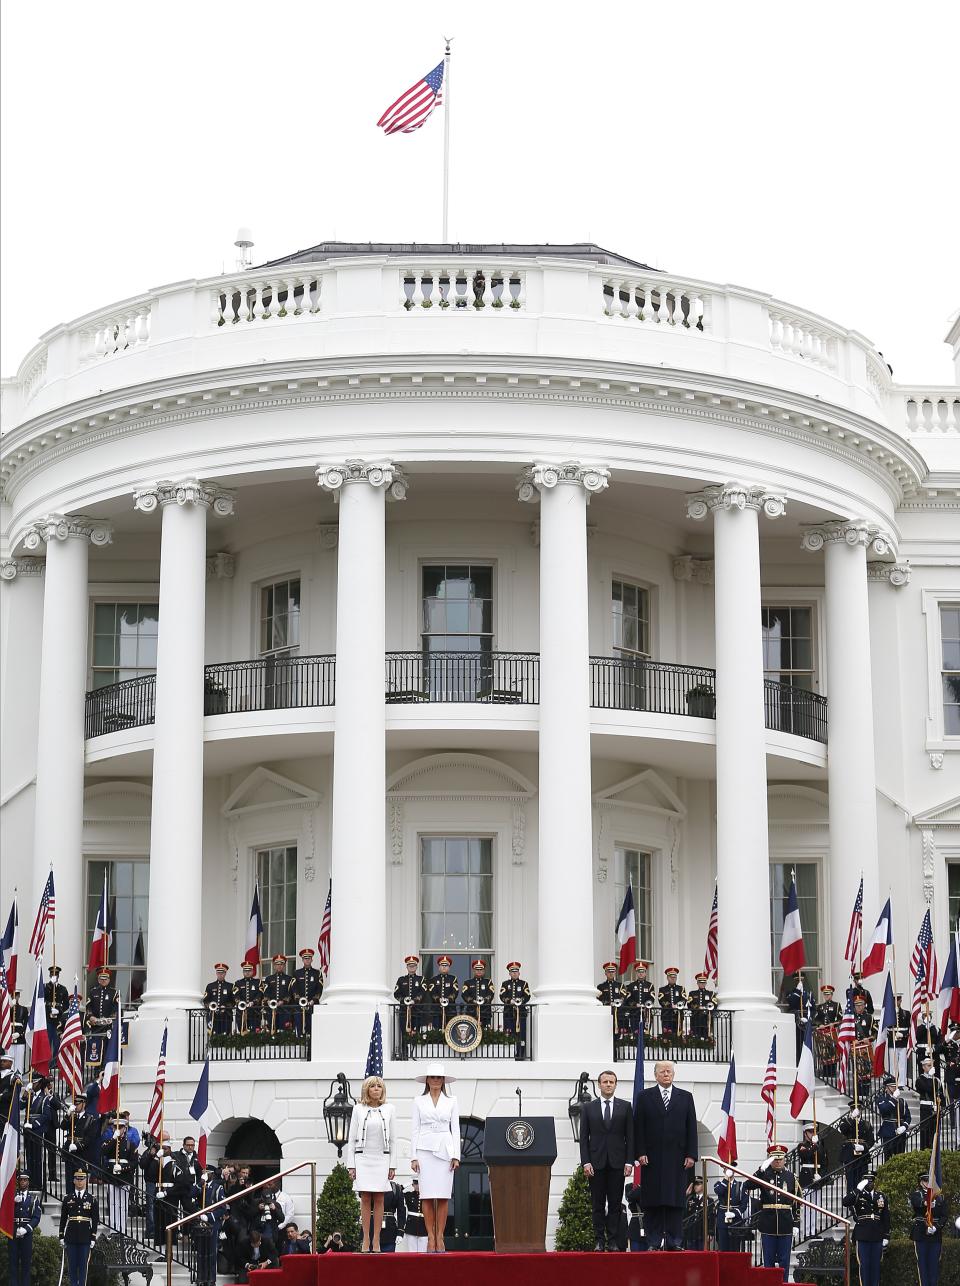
(446, 138)
(53, 931)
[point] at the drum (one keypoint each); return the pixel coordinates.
(825, 1043)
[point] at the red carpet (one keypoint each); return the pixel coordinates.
(691, 1268)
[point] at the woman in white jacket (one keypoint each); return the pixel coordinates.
(435, 1150)
(372, 1155)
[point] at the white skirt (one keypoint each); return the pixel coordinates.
(436, 1177)
(372, 1170)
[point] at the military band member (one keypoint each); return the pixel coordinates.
(927, 1237)
(641, 997)
(733, 1210)
(101, 1003)
(118, 1160)
(614, 996)
(798, 1000)
(701, 1004)
(826, 1017)
(894, 1113)
(931, 1093)
(79, 1221)
(56, 1000)
(777, 1216)
(829, 1010)
(811, 1158)
(871, 1227)
(443, 988)
(673, 1001)
(477, 993)
(27, 1209)
(857, 991)
(411, 993)
(277, 1014)
(898, 1038)
(864, 1030)
(858, 1139)
(515, 996)
(218, 1001)
(306, 988)
(248, 998)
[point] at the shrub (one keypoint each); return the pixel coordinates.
(575, 1220)
(898, 1177)
(899, 1264)
(338, 1209)
(45, 1265)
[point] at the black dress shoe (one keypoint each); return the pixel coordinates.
(599, 1246)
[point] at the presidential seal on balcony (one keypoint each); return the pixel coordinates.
(519, 1135)
(463, 1033)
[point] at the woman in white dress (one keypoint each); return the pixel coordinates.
(435, 1150)
(372, 1155)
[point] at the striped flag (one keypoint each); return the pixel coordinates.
(38, 1037)
(8, 948)
(712, 959)
(109, 1098)
(792, 958)
(155, 1113)
(875, 961)
(768, 1091)
(727, 1147)
(102, 933)
(414, 107)
(627, 932)
(10, 1145)
(69, 1061)
(803, 1085)
(46, 914)
(375, 1052)
(948, 1006)
(934, 1171)
(888, 1020)
(855, 932)
(323, 943)
(203, 1112)
(845, 1037)
(6, 1019)
(925, 954)
(919, 995)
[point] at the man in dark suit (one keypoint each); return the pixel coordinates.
(606, 1153)
(665, 1127)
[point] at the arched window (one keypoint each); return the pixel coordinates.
(471, 1139)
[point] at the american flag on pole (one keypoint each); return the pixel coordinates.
(768, 1091)
(925, 956)
(919, 994)
(413, 108)
(8, 946)
(712, 959)
(46, 914)
(855, 932)
(375, 1052)
(323, 943)
(69, 1062)
(155, 1113)
(845, 1037)
(6, 1021)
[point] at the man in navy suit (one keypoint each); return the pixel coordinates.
(606, 1153)
(665, 1130)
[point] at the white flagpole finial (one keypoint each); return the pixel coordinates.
(446, 140)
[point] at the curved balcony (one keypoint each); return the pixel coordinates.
(486, 678)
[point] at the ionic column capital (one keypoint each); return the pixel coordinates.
(736, 495)
(184, 491)
(848, 531)
(11, 568)
(895, 574)
(541, 476)
(334, 476)
(66, 527)
(688, 568)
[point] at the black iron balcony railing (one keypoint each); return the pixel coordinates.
(252, 1035)
(687, 1036)
(270, 683)
(797, 710)
(492, 678)
(634, 683)
(417, 1032)
(129, 704)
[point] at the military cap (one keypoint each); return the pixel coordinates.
(514, 964)
(828, 987)
(698, 977)
(776, 1149)
(220, 965)
(447, 960)
(411, 959)
(306, 951)
(478, 964)
(671, 969)
(611, 964)
(280, 958)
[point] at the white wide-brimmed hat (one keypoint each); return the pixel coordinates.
(434, 1069)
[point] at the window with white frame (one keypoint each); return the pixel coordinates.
(953, 895)
(630, 605)
(808, 899)
(128, 897)
(124, 643)
(457, 607)
(950, 667)
(280, 618)
(788, 644)
(277, 878)
(456, 901)
(632, 867)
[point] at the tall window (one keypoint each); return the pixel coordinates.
(457, 608)
(809, 901)
(456, 901)
(277, 876)
(950, 667)
(953, 892)
(631, 866)
(788, 645)
(128, 882)
(631, 618)
(124, 641)
(280, 618)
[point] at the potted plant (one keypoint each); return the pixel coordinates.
(701, 702)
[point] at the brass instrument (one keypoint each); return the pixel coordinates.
(242, 1007)
(408, 1022)
(304, 1003)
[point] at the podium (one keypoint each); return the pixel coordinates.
(519, 1152)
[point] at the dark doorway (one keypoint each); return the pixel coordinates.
(470, 1222)
(253, 1143)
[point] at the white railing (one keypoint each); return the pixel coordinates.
(878, 377)
(932, 411)
(659, 301)
(802, 337)
(277, 296)
(462, 289)
(34, 374)
(115, 332)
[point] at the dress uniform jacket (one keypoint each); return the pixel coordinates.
(219, 994)
(855, 1163)
(206, 1229)
(673, 1000)
(927, 1238)
(442, 987)
(514, 996)
(19, 1017)
(118, 1159)
(701, 1004)
(276, 1001)
(733, 1231)
(411, 987)
(827, 1013)
(101, 1007)
(899, 1035)
(79, 1221)
(27, 1209)
(641, 999)
(931, 1093)
(777, 1216)
(857, 991)
(247, 992)
(895, 1119)
(613, 994)
(477, 996)
(811, 1163)
(871, 1216)
(56, 997)
(306, 984)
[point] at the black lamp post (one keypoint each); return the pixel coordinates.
(337, 1111)
(580, 1097)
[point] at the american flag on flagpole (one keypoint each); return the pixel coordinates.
(375, 1052)
(415, 105)
(925, 956)
(845, 1038)
(919, 995)
(155, 1114)
(6, 1021)
(69, 1062)
(323, 943)
(768, 1091)
(712, 959)
(855, 932)
(46, 914)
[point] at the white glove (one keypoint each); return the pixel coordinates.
(117, 1168)
(931, 1232)
(896, 1092)
(22, 1232)
(31, 1125)
(885, 1243)
(729, 1216)
(72, 1147)
(62, 1242)
(862, 1184)
(855, 1114)
(204, 1218)
(901, 1129)
(814, 1138)
(858, 1148)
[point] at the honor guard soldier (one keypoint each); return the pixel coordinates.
(928, 1042)
(828, 1011)
(56, 999)
(864, 1029)
(276, 996)
(118, 1160)
(898, 1038)
(19, 1017)
(641, 997)
(79, 1221)
(27, 1209)
(306, 988)
(811, 1158)
(81, 1131)
(693, 1216)
(477, 993)
(614, 996)
(930, 1091)
(826, 1017)
(37, 1121)
(857, 991)
(858, 1139)
(701, 1004)
(777, 1216)
(218, 1001)
(206, 1228)
(411, 992)
(798, 1001)
(927, 1234)
(515, 996)
(673, 1001)
(871, 1228)
(733, 1208)
(894, 1113)
(7, 1083)
(248, 997)
(951, 1063)
(101, 1004)
(443, 990)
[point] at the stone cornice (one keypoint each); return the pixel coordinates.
(184, 491)
(848, 531)
(544, 476)
(736, 495)
(698, 570)
(895, 574)
(12, 568)
(377, 473)
(66, 527)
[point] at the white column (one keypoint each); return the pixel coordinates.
(743, 876)
(358, 936)
(565, 948)
(174, 964)
(851, 770)
(58, 828)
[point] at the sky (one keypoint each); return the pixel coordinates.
(803, 150)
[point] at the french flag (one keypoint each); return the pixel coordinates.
(792, 958)
(254, 929)
(102, 935)
(8, 948)
(875, 961)
(948, 1002)
(888, 1020)
(10, 1145)
(627, 932)
(727, 1147)
(203, 1112)
(803, 1085)
(109, 1098)
(38, 1036)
